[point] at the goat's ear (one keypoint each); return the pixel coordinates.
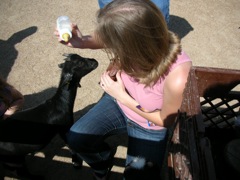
(67, 59)
(60, 65)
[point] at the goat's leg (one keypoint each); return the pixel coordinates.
(76, 161)
(20, 169)
(24, 173)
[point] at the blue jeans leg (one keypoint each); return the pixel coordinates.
(87, 136)
(150, 144)
(163, 5)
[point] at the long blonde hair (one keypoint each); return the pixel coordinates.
(135, 33)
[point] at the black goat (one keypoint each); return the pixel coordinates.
(31, 130)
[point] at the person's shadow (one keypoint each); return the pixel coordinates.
(8, 52)
(180, 26)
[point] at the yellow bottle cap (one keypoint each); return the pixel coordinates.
(66, 37)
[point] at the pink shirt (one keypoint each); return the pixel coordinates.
(149, 98)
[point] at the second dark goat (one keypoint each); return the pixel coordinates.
(30, 130)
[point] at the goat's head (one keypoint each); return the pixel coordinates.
(75, 67)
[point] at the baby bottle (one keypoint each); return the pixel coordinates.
(64, 28)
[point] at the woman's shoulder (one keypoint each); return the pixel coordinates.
(181, 58)
(177, 77)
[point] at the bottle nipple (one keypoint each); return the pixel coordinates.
(66, 37)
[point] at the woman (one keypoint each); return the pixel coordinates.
(147, 94)
(11, 99)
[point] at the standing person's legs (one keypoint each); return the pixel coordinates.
(102, 3)
(163, 5)
(87, 136)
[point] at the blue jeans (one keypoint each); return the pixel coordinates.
(163, 5)
(88, 136)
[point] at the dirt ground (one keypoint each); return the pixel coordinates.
(29, 55)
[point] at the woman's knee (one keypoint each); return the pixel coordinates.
(84, 142)
(76, 141)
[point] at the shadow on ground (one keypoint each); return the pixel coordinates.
(8, 52)
(56, 164)
(180, 26)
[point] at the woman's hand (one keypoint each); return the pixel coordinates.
(115, 89)
(75, 41)
(80, 41)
